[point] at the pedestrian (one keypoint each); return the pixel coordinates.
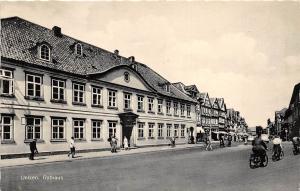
(114, 144)
(173, 141)
(221, 140)
(208, 142)
(109, 140)
(72, 148)
(229, 139)
(126, 143)
(33, 149)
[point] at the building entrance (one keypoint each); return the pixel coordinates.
(128, 120)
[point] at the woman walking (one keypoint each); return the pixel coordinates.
(126, 144)
(72, 148)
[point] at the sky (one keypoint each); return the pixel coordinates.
(246, 52)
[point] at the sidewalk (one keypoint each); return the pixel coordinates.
(82, 156)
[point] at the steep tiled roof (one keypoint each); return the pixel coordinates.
(295, 94)
(282, 111)
(212, 100)
(203, 94)
(180, 86)
(20, 39)
(191, 88)
(220, 101)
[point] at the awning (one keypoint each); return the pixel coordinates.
(222, 132)
(200, 130)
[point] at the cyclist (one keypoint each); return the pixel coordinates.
(259, 146)
(277, 147)
(296, 143)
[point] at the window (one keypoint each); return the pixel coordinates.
(78, 93)
(160, 129)
(58, 128)
(127, 101)
(207, 121)
(126, 77)
(45, 52)
(150, 104)
(167, 88)
(198, 117)
(176, 130)
(160, 106)
(78, 49)
(168, 107)
(33, 128)
(6, 82)
(140, 103)
(151, 130)
(182, 107)
(58, 89)
(96, 96)
(7, 126)
(96, 129)
(78, 128)
(182, 131)
(112, 128)
(169, 126)
(112, 98)
(140, 130)
(33, 85)
(188, 111)
(175, 105)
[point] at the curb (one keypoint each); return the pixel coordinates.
(169, 149)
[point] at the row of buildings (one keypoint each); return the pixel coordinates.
(213, 115)
(287, 120)
(53, 87)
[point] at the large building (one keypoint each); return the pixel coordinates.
(278, 122)
(205, 108)
(222, 114)
(53, 87)
(292, 118)
(193, 92)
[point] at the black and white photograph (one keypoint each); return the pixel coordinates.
(149, 95)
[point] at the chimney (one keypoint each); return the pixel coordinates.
(57, 31)
(116, 52)
(131, 59)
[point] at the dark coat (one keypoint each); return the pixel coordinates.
(32, 146)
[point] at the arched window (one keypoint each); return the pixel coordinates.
(45, 52)
(78, 49)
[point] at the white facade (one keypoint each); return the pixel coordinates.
(54, 137)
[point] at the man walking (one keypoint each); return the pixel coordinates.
(114, 144)
(33, 149)
(72, 148)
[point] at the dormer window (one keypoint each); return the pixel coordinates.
(45, 52)
(78, 49)
(134, 66)
(167, 88)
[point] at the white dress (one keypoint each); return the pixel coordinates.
(125, 143)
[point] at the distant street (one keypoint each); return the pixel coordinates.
(184, 170)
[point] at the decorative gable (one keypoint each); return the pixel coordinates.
(125, 77)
